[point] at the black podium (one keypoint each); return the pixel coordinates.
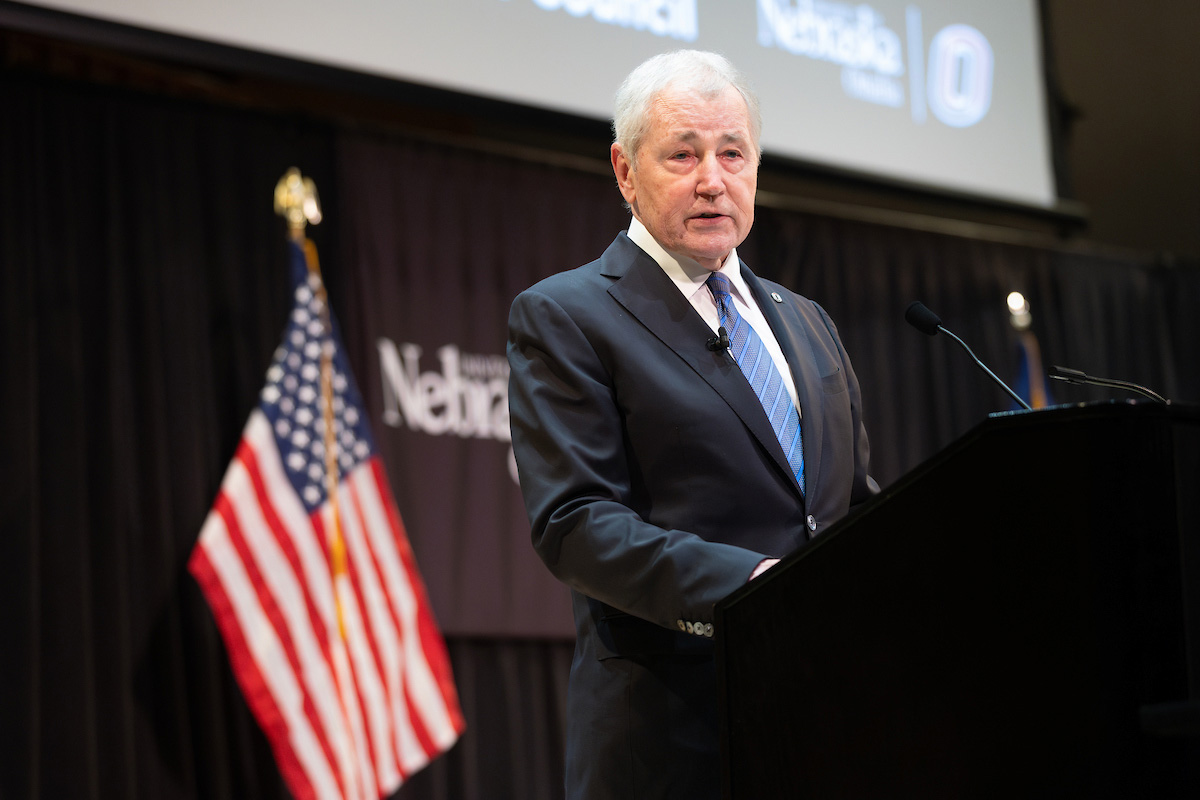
(1018, 617)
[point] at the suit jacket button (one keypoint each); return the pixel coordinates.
(690, 628)
(682, 625)
(812, 522)
(708, 629)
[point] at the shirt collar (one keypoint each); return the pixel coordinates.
(684, 272)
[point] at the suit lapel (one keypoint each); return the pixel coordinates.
(792, 335)
(646, 292)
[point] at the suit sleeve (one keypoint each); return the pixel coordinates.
(569, 441)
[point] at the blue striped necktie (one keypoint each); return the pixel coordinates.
(759, 368)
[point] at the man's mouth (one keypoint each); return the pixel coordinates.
(707, 215)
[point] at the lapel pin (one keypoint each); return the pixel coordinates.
(775, 296)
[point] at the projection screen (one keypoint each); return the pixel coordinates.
(944, 94)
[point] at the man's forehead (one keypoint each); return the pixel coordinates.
(688, 115)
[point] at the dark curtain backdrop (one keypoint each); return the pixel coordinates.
(142, 287)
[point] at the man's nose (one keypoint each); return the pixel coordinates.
(710, 181)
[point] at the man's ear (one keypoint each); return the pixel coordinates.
(623, 169)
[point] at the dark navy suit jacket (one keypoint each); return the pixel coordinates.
(654, 485)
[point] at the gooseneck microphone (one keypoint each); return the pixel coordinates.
(1078, 378)
(720, 341)
(929, 323)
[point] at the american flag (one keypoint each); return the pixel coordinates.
(307, 568)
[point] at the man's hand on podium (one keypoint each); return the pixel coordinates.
(763, 566)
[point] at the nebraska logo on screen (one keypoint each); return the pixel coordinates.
(954, 82)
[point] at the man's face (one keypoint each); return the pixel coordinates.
(696, 175)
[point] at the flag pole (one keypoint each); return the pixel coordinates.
(1021, 319)
(296, 201)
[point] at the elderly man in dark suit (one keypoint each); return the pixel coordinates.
(679, 425)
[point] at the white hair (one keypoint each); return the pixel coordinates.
(707, 74)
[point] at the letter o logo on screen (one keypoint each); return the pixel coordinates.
(960, 75)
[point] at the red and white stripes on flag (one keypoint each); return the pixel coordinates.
(308, 571)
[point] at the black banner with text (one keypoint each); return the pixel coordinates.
(426, 295)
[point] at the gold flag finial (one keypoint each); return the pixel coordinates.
(296, 201)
